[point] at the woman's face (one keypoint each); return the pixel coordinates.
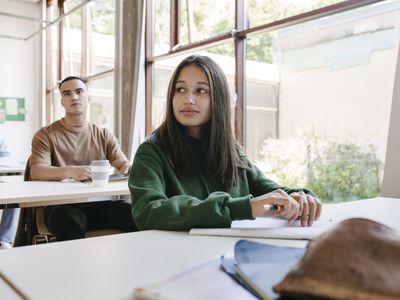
(192, 100)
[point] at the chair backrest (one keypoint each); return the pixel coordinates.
(27, 173)
(27, 223)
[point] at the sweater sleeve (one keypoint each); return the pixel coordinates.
(152, 174)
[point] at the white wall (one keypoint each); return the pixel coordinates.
(391, 176)
(19, 75)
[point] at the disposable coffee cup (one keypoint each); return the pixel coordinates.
(100, 171)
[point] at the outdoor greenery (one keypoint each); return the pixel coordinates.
(102, 15)
(334, 171)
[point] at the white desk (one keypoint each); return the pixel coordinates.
(17, 169)
(380, 209)
(111, 267)
(40, 193)
(108, 267)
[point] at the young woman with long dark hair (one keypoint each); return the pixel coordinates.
(191, 171)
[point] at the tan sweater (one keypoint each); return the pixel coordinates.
(58, 145)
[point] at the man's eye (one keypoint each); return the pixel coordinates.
(67, 94)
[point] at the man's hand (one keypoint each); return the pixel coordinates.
(125, 169)
(310, 208)
(288, 207)
(79, 173)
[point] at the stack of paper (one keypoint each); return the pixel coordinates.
(268, 228)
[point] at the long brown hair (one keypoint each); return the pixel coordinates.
(223, 153)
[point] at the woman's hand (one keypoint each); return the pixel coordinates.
(288, 207)
(310, 208)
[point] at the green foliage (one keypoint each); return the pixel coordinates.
(161, 22)
(334, 171)
(103, 16)
(347, 173)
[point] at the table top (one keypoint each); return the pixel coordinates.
(109, 267)
(39, 193)
(20, 169)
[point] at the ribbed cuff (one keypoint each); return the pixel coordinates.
(240, 208)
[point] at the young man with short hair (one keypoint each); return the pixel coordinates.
(64, 150)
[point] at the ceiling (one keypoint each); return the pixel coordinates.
(19, 19)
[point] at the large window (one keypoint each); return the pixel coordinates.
(313, 94)
(82, 43)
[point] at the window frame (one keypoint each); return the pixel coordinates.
(238, 36)
(51, 86)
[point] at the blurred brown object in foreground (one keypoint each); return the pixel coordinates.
(358, 259)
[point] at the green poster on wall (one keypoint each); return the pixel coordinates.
(12, 109)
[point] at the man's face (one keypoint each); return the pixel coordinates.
(74, 97)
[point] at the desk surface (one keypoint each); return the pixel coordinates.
(39, 193)
(19, 169)
(109, 267)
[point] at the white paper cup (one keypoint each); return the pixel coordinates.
(100, 172)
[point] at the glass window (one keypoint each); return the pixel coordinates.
(101, 36)
(266, 11)
(58, 109)
(98, 50)
(163, 70)
(72, 41)
(325, 97)
(101, 111)
(162, 26)
(203, 19)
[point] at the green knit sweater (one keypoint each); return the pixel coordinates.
(161, 200)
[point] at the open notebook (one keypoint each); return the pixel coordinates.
(203, 281)
(268, 228)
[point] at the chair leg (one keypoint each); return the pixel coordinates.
(43, 239)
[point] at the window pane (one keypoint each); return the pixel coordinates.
(72, 41)
(266, 11)
(163, 71)
(324, 92)
(161, 26)
(58, 109)
(204, 19)
(101, 36)
(102, 105)
(54, 52)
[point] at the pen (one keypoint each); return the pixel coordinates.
(271, 207)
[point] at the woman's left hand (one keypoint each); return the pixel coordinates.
(310, 208)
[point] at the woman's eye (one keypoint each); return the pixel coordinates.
(180, 89)
(202, 91)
